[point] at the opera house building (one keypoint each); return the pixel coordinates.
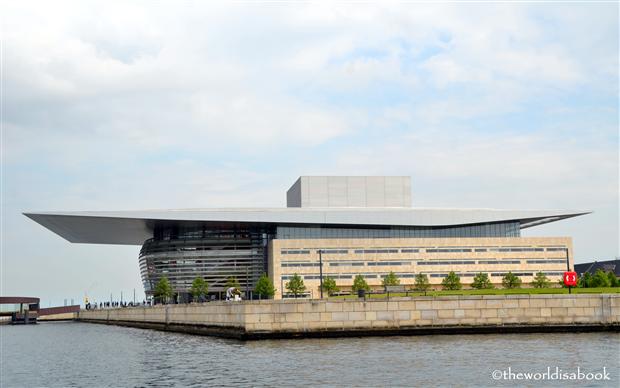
(361, 225)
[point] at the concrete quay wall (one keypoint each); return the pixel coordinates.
(349, 317)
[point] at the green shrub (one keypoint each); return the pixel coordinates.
(482, 281)
(296, 285)
(163, 290)
(329, 286)
(421, 282)
(585, 281)
(199, 288)
(510, 281)
(391, 280)
(540, 281)
(452, 282)
(264, 287)
(599, 279)
(359, 283)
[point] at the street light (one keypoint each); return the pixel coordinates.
(321, 271)
(567, 266)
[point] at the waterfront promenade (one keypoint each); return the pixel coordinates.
(347, 317)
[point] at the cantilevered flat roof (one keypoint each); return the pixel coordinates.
(134, 227)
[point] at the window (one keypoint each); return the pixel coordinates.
(446, 262)
(448, 250)
(387, 263)
(519, 249)
(546, 261)
(294, 252)
(298, 264)
(514, 273)
(363, 251)
(499, 261)
(346, 263)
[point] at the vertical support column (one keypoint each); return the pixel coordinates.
(321, 272)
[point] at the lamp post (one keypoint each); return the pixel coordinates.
(321, 271)
(567, 266)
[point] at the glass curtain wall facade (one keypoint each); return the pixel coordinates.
(499, 229)
(183, 252)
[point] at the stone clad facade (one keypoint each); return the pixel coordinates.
(435, 257)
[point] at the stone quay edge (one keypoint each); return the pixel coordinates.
(294, 318)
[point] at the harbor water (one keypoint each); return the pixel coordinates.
(94, 355)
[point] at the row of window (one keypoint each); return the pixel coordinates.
(204, 231)
(495, 274)
(517, 249)
(388, 263)
(455, 262)
(443, 275)
(436, 262)
(203, 260)
(417, 250)
(340, 276)
(492, 262)
(294, 252)
(410, 275)
(385, 250)
(334, 251)
(546, 261)
(201, 251)
(346, 264)
(299, 265)
(450, 250)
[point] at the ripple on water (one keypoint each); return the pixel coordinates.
(81, 354)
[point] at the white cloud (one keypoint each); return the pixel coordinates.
(134, 105)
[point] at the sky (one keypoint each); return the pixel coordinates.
(156, 105)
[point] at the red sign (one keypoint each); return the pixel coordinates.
(570, 278)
